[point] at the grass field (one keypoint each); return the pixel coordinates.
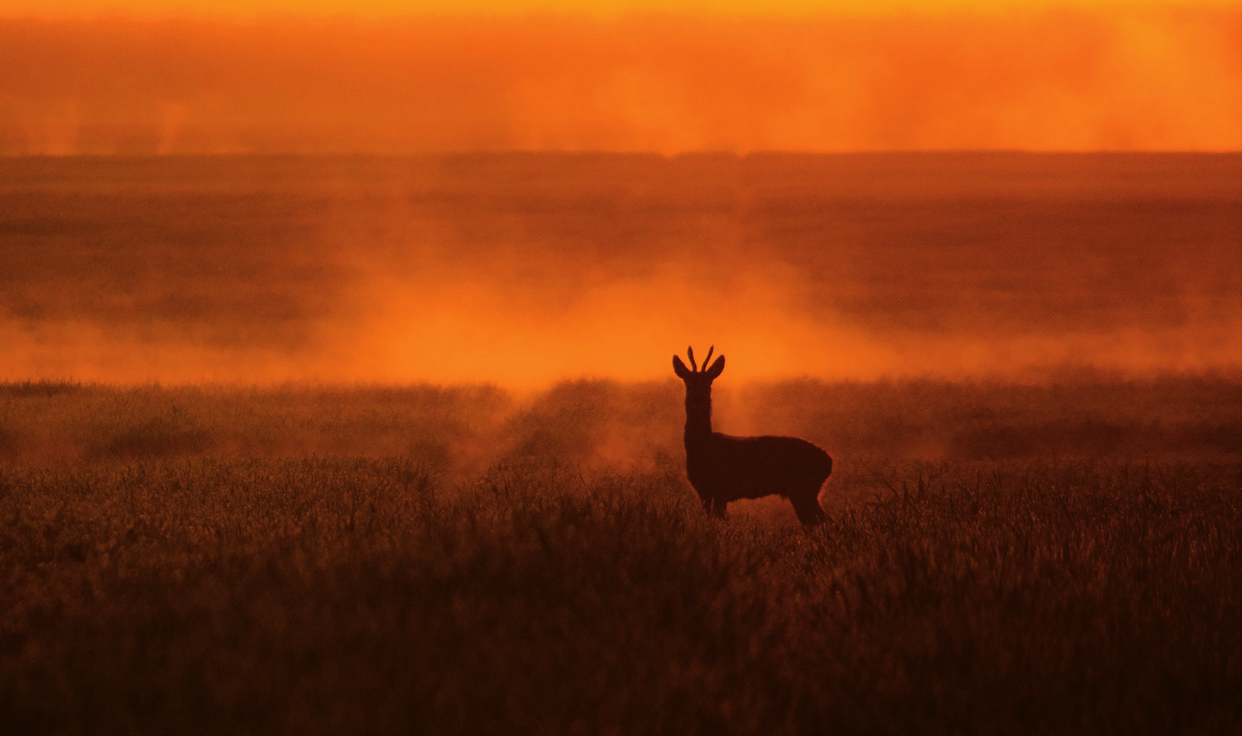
(999, 558)
(522, 267)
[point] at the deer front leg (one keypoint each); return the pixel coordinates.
(809, 512)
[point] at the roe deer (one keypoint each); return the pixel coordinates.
(723, 468)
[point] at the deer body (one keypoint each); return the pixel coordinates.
(723, 468)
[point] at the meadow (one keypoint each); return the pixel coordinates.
(1044, 540)
(527, 268)
(999, 557)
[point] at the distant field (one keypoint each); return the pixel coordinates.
(999, 558)
(465, 428)
(528, 268)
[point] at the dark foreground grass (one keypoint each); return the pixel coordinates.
(234, 595)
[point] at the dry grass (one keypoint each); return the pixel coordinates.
(446, 560)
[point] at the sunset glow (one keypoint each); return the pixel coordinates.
(1028, 76)
(599, 8)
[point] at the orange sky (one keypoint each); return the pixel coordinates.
(606, 8)
(797, 76)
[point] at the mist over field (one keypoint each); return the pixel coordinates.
(524, 269)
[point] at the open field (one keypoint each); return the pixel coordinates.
(528, 268)
(1044, 539)
(999, 558)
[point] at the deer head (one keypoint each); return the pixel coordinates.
(698, 380)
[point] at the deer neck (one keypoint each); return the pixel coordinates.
(698, 416)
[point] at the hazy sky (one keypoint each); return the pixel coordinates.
(145, 77)
(52, 8)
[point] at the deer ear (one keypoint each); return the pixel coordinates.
(716, 369)
(680, 368)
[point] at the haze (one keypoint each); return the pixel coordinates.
(521, 192)
(406, 8)
(526, 268)
(1035, 78)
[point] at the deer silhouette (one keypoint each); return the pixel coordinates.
(723, 468)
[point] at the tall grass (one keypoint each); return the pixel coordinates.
(606, 422)
(214, 591)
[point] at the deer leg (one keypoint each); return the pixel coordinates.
(714, 507)
(807, 507)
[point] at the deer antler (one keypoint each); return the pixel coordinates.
(708, 359)
(693, 366)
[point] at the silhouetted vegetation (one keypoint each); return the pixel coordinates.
(457, 560)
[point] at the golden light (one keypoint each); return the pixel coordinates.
(598, 8)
